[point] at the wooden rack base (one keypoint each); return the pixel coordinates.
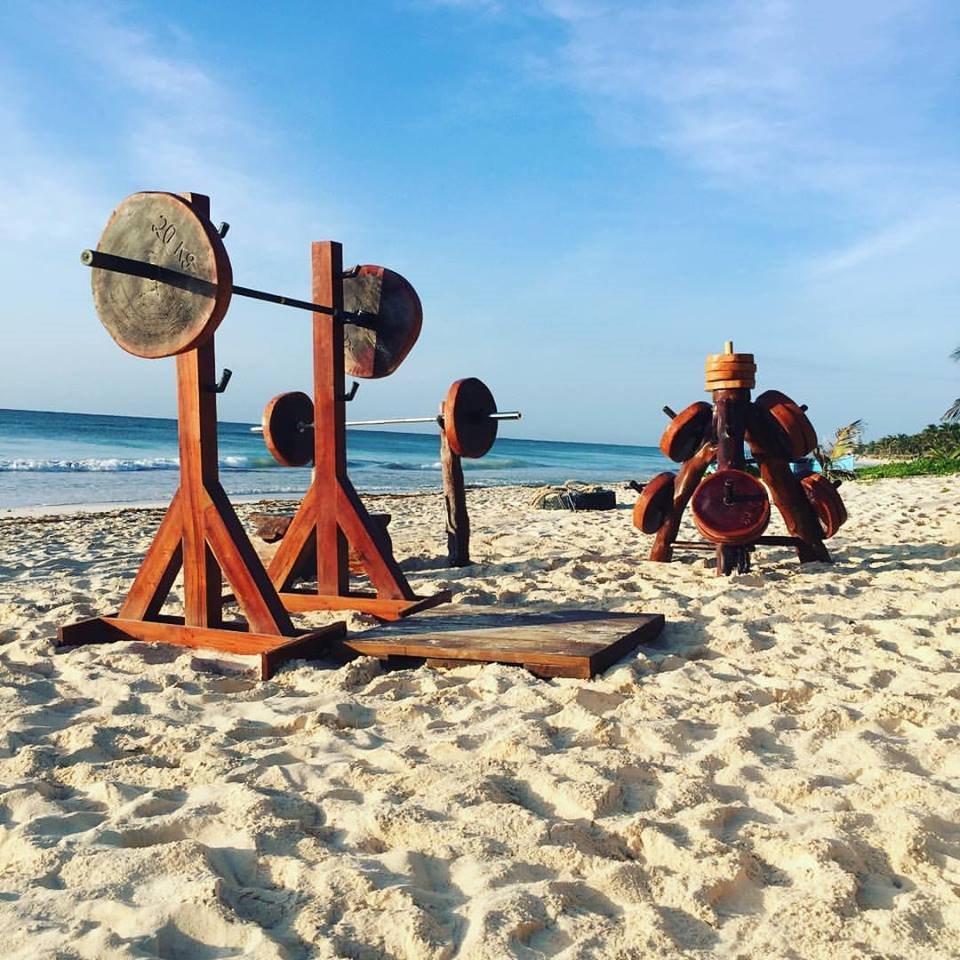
(235, 639)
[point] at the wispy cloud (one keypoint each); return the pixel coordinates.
(819, 96)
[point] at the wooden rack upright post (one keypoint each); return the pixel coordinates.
(331, 514)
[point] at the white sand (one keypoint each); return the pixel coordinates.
(779, 777)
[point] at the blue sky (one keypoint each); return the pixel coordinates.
(588, 196)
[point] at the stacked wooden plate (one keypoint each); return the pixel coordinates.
(730, 371)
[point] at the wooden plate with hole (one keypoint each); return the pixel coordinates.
(288, 429)
(731, 507)
(182, 307)
(826, 501)
(793, 423)
(686, 431)
(655, 503)
(467, 423)
(391, 317)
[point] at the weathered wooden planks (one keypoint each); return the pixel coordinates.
(556, 643)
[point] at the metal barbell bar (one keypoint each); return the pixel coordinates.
(498, 415)
(152, 271)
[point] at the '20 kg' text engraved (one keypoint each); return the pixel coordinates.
(167, 233)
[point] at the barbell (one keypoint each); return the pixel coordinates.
(162, 283)
(469, 421)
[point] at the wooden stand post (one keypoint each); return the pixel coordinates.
(730, 411)
(455, 498)
(331, 513)
(202, 534)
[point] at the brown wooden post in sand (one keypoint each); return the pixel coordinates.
(201, 534)
(331, 513)
(455, 499)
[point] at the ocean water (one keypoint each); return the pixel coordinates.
(53, 459)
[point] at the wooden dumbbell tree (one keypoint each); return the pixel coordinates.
(731, 506)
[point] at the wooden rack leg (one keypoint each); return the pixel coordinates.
(455, 498)
(691, 473)
(786, 491)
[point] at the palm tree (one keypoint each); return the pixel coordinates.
(954, 412)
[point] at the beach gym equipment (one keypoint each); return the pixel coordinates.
(175, 279)
(731, 506)
(200, 533)
(468, 422)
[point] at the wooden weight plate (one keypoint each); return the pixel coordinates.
(155, 318)
(731, 507)
(826, 501)
(794, 424)
(655, 502)
(392, 317)
(685, 432)
(288, 441)
(467, 423)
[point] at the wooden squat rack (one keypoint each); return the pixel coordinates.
(202, 535)
(331, 514)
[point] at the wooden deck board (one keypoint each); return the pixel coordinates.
(572, 643)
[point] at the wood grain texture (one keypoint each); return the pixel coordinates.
(570, 643)
(150, 318)
(455, 502)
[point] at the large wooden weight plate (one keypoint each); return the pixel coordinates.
(827, 503)
(467, 422)
(685, 433)
(794, 428)
(392, 318)
(288, 429)
(655, 502)
(160, 318)
(731, 507)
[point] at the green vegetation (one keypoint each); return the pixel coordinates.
(921, 467)
(937, 441)
(845, 442)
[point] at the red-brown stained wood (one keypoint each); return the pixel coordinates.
(469, 428)
(691, 473)
(287, 424)
(686, 432)
(826, 502)
(731, 507)
(786, 491)
(654, 503)
(331, 512)
(455, 502)
(796, 427)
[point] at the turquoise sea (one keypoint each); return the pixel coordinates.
(52, 459)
